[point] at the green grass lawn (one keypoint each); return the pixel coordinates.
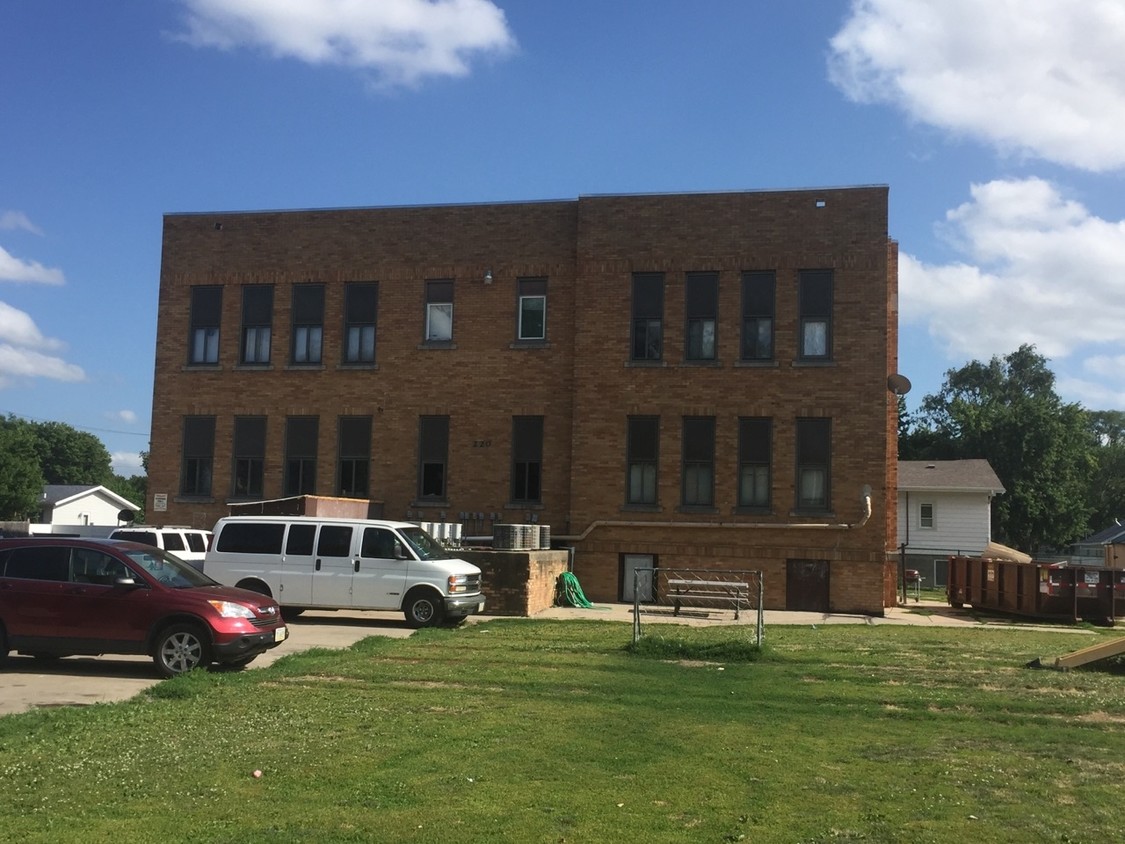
(554, 731)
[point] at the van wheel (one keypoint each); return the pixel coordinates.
(180, 648)
(255, 586)
(291, 612)
(423, 609)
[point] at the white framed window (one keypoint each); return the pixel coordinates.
(439, 311)
(532, 309)
(926, 515)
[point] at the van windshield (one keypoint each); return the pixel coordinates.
(424, 545)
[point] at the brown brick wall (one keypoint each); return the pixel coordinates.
(520, 583)
(581, 381)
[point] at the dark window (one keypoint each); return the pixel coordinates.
(814, 463)
(527, 458)
(300, 454)
(439, 311)
(249, 456)
(754, 436)
(361, 304)
(641, 457)
(532, 309)
(699, 461)
(334, 541)
(308, 323)
(198, 455)
(173, 541)
(257, 319)
(145, 537)
(758, 290)
(206, 310)
(300, 540)
(816, 314)
(251, 538)
(196, 542)
(45, 562)
(433, 457)
(648, 316)
(354, 457)
(379, 544)
(701, 305)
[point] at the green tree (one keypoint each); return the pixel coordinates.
(1107, 492)
(1042, 449)
(70, 456)
(132, 488)
(21, 481)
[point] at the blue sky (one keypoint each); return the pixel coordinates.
(998, 127)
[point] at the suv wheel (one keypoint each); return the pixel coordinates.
(180, 648)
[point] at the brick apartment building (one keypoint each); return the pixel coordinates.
(687, 380)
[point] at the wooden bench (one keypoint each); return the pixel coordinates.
(731, 593)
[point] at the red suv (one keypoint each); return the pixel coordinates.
(100, 596)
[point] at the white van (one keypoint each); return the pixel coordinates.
(308, 562)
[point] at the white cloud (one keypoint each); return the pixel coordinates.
(14, 269)
(401, 41)
(24, 351)
(1038, 77)
(1037, 268)
(126, 416)
(13, 220)
(126, 464)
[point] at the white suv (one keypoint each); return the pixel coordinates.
(189, 544)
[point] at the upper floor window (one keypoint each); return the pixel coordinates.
(648, 316)
(754, 446)
(300, 454)
(814, 463)
(361, 303)
(433, 457)
(206, 310)
(198, 455)
(532, 309)
(439, 311)
(354, 446)
(249, 456)
(527, 459)
(701, 305)
(815, 304)
(926, 515)
(757, 315)
(308, 323)
(698, 461)
(257, 319)
(642, 445)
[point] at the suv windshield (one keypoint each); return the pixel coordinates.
(424, 545)
(169, 570)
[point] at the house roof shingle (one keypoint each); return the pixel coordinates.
(948, 476)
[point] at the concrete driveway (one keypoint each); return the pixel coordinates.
(83, 680)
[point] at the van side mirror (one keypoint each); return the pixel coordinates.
(400, 552)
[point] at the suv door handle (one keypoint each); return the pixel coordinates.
(356, 566)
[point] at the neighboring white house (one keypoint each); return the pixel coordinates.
(68, 508)
(944, 508)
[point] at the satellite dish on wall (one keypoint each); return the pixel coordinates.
(126, 516)
(898, 384)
